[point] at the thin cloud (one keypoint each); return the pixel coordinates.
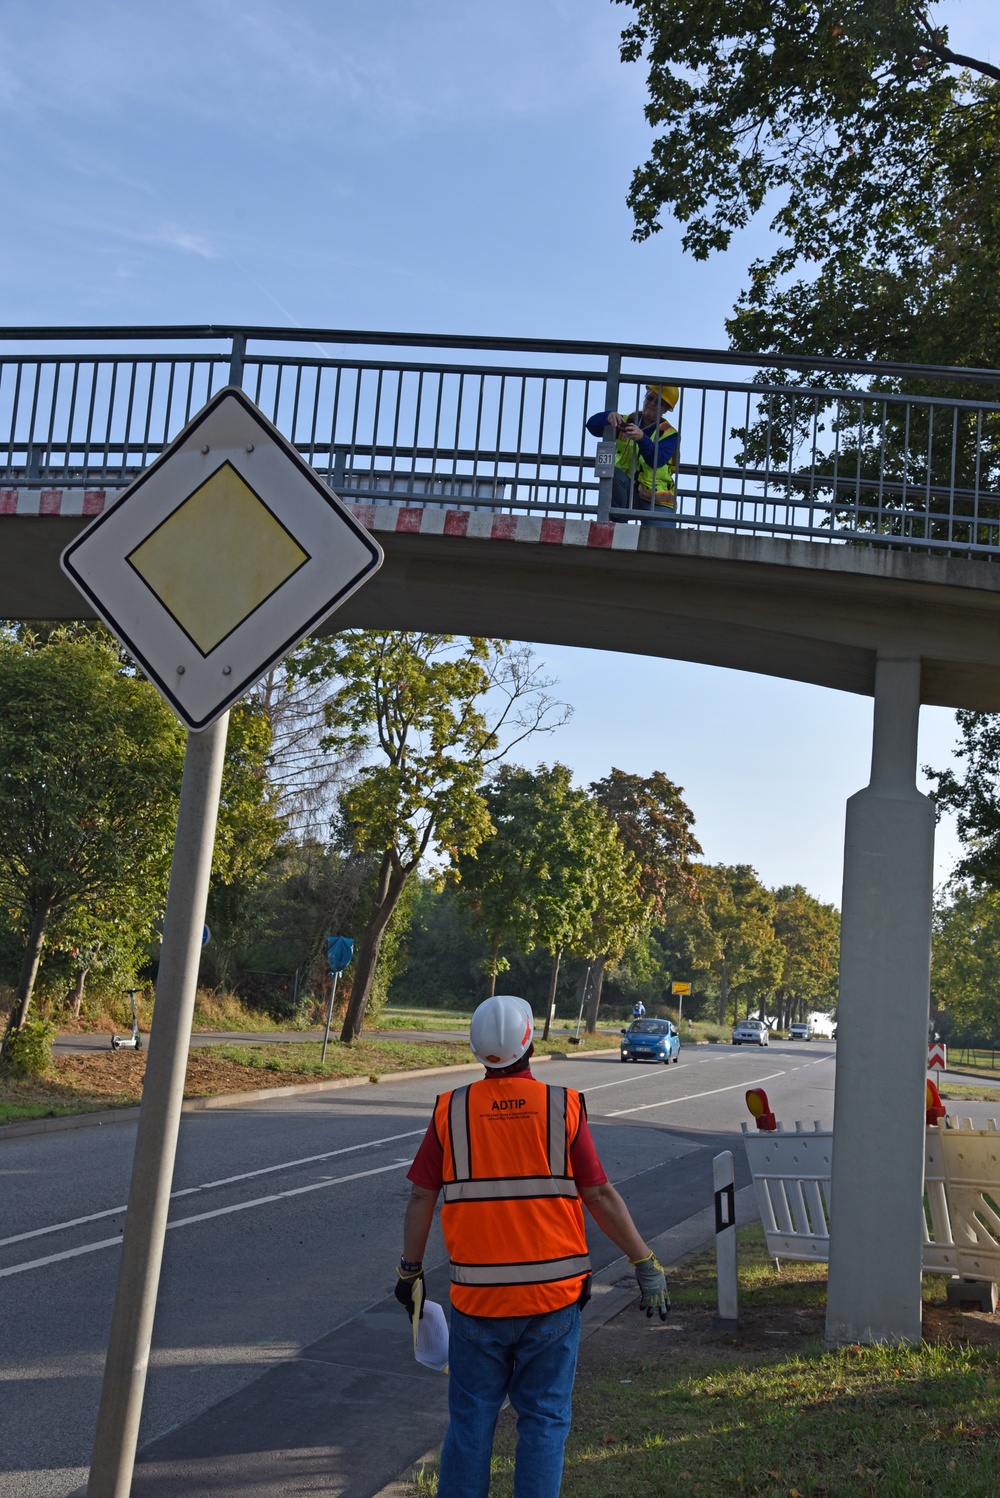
(173, 238)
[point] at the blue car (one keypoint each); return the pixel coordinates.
(651, 1040)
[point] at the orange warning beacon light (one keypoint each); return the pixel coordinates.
(935, 1108)
(761, 1109)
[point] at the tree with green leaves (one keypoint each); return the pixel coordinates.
(871, 143)
(965, 967)
(740, 948)
(809, 933)
(427, 716)
(249, 839)
(502, 880)
(972, 791)
(553, 874)
(90, 762)
(655, 825)
(623, 912)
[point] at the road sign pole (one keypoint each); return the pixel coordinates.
(329, 1017)
(679, 990)
(159, 1118)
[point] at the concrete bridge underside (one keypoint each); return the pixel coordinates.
(795, 609)
(904, 628)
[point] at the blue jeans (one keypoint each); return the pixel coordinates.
(531, 1358)
(625, 496)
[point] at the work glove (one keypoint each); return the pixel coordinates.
(652, 1286)
(409, 1290)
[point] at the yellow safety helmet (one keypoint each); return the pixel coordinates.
(669, 394)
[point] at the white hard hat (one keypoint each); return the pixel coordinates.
(501, 1031)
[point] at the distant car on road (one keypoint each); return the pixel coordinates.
(651, 1040)
(800, 1030)
(751, 1032)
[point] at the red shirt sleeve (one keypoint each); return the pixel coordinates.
(427, 1169)
(587, 1167)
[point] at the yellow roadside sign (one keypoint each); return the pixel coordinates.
(680, 988)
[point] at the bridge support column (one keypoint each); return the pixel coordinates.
(876, 1207)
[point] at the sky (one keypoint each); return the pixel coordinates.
(458, 168)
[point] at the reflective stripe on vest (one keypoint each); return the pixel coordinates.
(540, 1272)
(511, 1188)
(458, 1129)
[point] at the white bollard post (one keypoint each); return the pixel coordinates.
(724, 1182)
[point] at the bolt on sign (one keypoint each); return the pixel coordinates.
(224, 554)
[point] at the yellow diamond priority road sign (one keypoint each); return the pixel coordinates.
(223, 555)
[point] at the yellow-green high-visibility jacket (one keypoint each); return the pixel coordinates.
(654, 478)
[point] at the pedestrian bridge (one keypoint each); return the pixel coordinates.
(828, 511)
(838, 523)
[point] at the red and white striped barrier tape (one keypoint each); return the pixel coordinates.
(537, 530)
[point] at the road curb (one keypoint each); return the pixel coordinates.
(233, 1099)
(610, 1298)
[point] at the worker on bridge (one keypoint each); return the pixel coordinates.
(645, 476)
(514, 1158)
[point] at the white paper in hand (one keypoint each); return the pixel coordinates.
(430, 1345)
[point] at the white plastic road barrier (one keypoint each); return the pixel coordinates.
(791, 1176)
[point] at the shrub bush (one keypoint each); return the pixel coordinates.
(28, 1051)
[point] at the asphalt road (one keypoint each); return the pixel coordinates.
(286, 1224)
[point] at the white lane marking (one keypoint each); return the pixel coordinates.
(183, 1222)
(679, 1066)
(665, 1102)
(248, 1175)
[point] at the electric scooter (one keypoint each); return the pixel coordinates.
(131, 1042)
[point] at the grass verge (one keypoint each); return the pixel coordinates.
(662, 1411)
(396, 1017)
(954, 1092)
(113, 1079)
(104, 1013)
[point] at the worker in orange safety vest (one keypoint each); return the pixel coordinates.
(514, 1158)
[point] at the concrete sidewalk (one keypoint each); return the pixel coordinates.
(353, 1410)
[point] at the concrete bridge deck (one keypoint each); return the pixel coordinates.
(820, 614)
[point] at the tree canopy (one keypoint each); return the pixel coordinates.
(90, 760)
(965, 971)
(655, 823)
(736, 940)
(427, 715)
(972, 791)
(870, 143)
(554, 873)
(809, 934)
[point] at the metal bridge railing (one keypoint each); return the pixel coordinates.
(902, 456)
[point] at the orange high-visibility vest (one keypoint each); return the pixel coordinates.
(512, 1216)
